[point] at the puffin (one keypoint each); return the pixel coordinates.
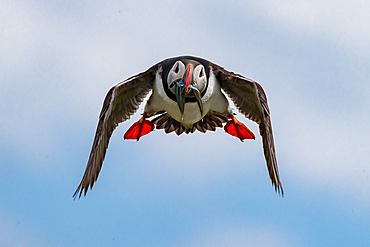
(188, 94)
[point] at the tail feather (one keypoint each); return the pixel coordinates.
(210, 122)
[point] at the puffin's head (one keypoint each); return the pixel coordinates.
(187, 79)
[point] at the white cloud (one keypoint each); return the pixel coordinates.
(345, 24)
(50, 65)
(16, 39)
(320, 147)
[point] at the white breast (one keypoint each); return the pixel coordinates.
(213, 100)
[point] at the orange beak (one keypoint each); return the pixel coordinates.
(188, 78)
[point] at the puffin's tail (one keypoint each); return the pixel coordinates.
(210, 122)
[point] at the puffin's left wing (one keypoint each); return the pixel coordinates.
(251, 100)
(121, 102)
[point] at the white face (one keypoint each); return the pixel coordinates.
(200, 77)
(178, 70)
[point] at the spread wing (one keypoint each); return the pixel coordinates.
(251, 100)
(121, 102)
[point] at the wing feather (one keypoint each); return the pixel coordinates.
(120, 103)
(251, 100)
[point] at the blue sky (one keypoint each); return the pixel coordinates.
(59, 59)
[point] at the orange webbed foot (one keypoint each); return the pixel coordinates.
(238, 129)
(139, 129)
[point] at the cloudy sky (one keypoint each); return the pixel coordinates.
(58, 59)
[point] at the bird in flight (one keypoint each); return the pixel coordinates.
(187, 94)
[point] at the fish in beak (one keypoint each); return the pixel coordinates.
(187, 87)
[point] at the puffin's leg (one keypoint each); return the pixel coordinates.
(139, 129)
(238, 129)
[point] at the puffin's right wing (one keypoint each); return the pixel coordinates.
(121, 102)
(251, 100)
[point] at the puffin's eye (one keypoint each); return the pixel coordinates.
(201, 73)
(177, 68)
